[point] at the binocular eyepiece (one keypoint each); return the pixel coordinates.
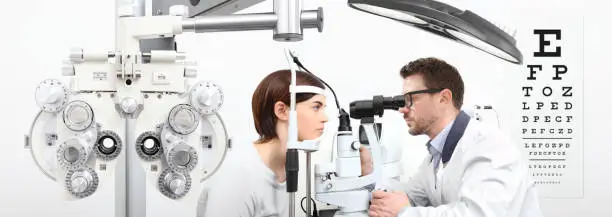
(370, 108)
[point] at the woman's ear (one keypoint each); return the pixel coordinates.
(281, 111)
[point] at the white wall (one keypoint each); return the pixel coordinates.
(45, 30)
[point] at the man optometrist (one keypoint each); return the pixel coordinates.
(471, 171)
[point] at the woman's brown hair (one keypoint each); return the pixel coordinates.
(274, 88)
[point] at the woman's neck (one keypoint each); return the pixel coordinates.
(273, 155)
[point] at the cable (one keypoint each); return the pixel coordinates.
(297, 61)
(488, 107)
(344, 120)
(497, 115)
(315, 213)
(498, 122)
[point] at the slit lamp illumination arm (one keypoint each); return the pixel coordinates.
(287, 18)
(287, 21)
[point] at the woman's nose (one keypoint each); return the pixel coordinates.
(325, 119)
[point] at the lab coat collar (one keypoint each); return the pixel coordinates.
(454, 135)
(438, 141)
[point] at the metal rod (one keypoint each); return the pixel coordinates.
(313, 19)
(139, 8)
(242, 22)
(246, 22)
(136, 177)
(289, 22)
(291, 204)
(308, 177)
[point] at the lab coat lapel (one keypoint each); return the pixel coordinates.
(437, 175)
(455, 134)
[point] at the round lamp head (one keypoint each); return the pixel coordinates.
(446, 21)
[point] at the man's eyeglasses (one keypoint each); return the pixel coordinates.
(408, 99)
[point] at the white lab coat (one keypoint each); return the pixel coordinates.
(485, 177)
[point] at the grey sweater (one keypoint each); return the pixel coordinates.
(243, 187)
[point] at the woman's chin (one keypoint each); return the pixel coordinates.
(314, 137)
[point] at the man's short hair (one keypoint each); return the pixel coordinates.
(437, 74)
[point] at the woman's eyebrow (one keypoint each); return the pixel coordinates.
(318, 102)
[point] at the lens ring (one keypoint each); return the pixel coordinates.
(84, 174)
(166, 176)
(178, 153)
(108, 153)
(78, 115)
(71, 155)
(149, 153)
(184, 119)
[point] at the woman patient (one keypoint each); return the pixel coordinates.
(251, 181)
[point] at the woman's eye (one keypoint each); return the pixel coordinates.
(317, 107)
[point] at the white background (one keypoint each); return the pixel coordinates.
(37, 35)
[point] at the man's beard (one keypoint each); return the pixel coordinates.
(420, 126)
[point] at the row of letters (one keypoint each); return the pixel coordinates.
(547, 166)
(547, 145)
(547, 153)
(547, 174)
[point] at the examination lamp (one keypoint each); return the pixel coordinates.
(446, 21)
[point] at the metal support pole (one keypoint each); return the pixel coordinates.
(308, 180)
(246, 22)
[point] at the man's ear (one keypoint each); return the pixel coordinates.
(281, 111)
(446, 96)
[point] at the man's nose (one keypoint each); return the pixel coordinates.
(404, 110)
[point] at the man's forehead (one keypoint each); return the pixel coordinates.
(412, 83)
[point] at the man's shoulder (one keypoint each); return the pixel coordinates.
(482, 139)
(478, 131)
